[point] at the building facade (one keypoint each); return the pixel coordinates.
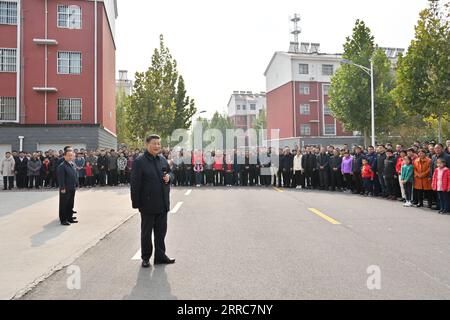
(244, 107)
(57, 74)
(297, 84)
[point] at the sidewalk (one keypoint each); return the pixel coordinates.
(33, 244)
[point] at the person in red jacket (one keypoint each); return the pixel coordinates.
(367, 176)
(441, 184)
(89, 175)
(398, 169)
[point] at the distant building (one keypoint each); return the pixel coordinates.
(297, 85)
(244, 107)
(123, 83)
(57, 74)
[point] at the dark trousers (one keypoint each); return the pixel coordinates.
(218, 178)
(390, 189)
(287, 178)
(156, 224)
(90, 181)
(299, 180)
(421, 194)
(244, 178)
(22, 181)
(323, 179)
(382, 185)
(112, 178)
(368, 185)
(66, 202)
(357, 182)
(348, 181)
(336, 179)
(102, 177)
(7, 180)
(443, 198)
(34, 181)
(408, 191)
(209, 176)
(308, 178)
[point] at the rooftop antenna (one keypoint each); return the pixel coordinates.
(295, 19)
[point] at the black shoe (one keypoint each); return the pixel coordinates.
(73, 221)
(74, 211)
(145, 264)
(165, 261)
(65, 223)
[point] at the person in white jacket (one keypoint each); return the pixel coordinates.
(7, 171)
(299, 180)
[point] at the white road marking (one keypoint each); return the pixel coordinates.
(188, 192)
(177, 207)
(137, 256)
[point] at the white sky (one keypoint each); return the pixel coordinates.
(222, 46)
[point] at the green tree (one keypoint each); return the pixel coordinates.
(350, 93)
(121, 121)
(261, 121)
(159, 102)
(423, 75)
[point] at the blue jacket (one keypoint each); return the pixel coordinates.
(67, 176)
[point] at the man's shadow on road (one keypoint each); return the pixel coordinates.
(151, 284)
(50, 231)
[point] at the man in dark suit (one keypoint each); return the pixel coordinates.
(150, 192)
(68, 182)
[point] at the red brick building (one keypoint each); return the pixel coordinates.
(57, 73)
(297, 87)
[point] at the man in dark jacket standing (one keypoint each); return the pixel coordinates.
(150, 193)
(68, 182)
(357, 165)
(323, 163)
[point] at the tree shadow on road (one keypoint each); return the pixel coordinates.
(50, 231)
(151, 284)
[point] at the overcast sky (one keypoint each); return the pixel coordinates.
(222, 46)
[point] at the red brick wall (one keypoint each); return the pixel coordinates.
(280, 111)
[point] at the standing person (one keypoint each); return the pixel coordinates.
(265, 162)
(92, 159)
(274, 169)
(130, 161)
(198, 170)
(309, 165)
(7, 171)
(299, 181)
(22, 171)
(357, 166)
(438, 154)
(347, 170)
(112, 168)
(122, 167)
(68, 182)
(287, 167)
(381, 156)
(441, 184)
(245, 168)
(323, 163)
(209, 172)
(80, 163)
(407, 180)
(218, 168)
(34, 171)
(150, 193)
(422, 181)
(367, 176)
(89, 170)
(229, 169)
(335, 173)
(398, 169)
(102, 164)
(389, 174)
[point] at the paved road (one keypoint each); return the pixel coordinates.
(261, 243)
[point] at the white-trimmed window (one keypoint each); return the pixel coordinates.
(8, 109)
(69, 17)
(244, 107)
(305, 130)
(303, 68)
(69, 62)
(327, 110)
(8, 12)
(330, 128)
(238, 107)
(304, 88)
(327, 69)
(8, 60)
(69, 109)
(305, 109)
(253, 106)
(326, 89)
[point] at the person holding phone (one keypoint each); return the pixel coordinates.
(150, 193)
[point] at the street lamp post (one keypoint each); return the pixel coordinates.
(370, 72)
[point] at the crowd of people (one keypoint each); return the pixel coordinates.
(416, 175)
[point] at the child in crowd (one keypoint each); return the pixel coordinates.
(441, 184)
(367, 175)
(407, 180)
(89, 175)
